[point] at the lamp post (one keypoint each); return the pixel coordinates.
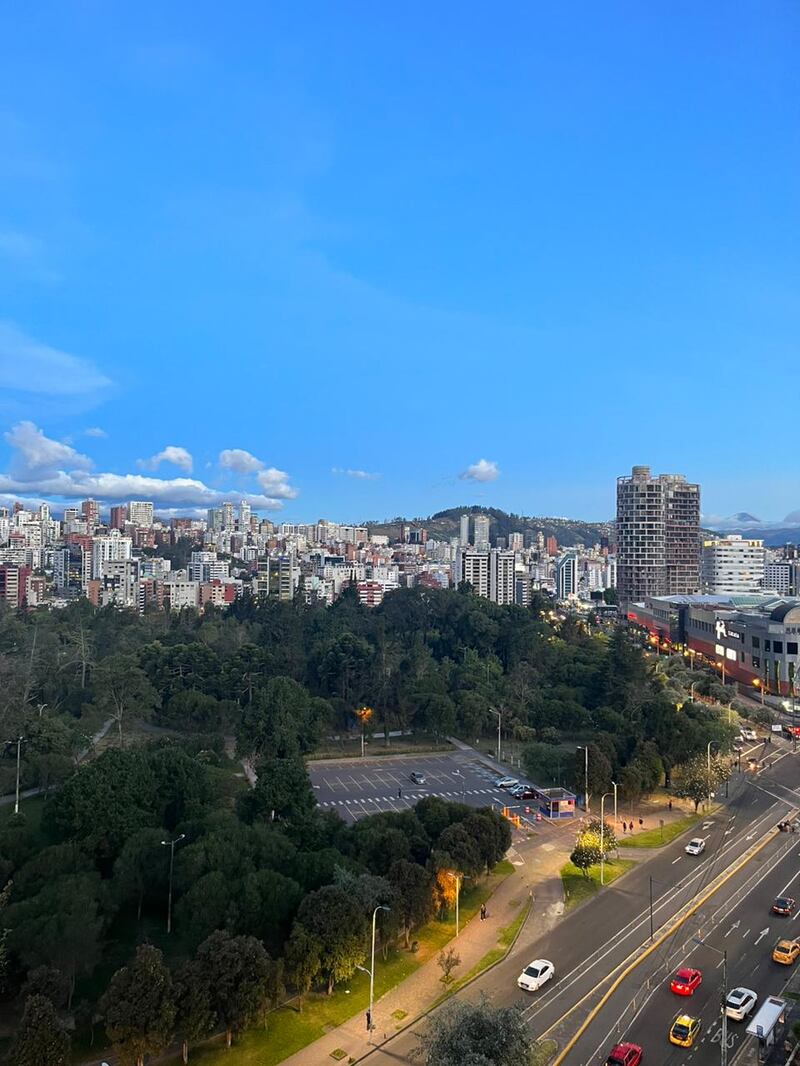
(723, 1044)
(691, 691)
(458, 878)
(602, 834)
(585, 749)
(18, 742)
(371, 970)
(614, 786)
(171, 845)
(708, 771)
(499, 723)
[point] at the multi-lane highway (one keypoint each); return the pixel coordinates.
(729, 883)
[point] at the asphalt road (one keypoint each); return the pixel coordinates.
(594, 942)
(354, 788)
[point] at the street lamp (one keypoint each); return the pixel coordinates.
(371, 970)
(760, 687)
(18, 742)
(171, 845)
(708, 771)
(723, 1044)
(458, 878)
(585, 749)
(499, 723)
(614, 786)
(602, 832)
(691, 691)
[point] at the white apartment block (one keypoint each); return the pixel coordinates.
(481, 524)
(181, 593)
(472, 566)
(566, 576)
(140, 513)
(782, 577)
(104, 549)
(732, 565)
(502, 576)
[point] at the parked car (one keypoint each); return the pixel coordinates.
(695, 846)
(624, 1055)
(739, 1002)
(783, 905)
(505, 782)
(536, 974)
(749, 734)
(417, 777)
(685, 981)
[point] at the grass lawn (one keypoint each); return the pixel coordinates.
(351, 747)
(654, 838)
(543, 1052)
(578, 888)
(288, 1030)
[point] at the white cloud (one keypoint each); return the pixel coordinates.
(483, 470)
(41, 466)
(174, 454)
(359, 475)
(239, 461)
(276, 483)
(29, 366)
(35, 454)
(94, 431)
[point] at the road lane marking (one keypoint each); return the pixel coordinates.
(676, 860)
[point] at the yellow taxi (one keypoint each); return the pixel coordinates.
(786, 951)
(684, 1031)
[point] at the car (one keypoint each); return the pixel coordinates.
(685, 981)
(522, 792)
(783, 905)
(739, 1002)
(505, 782)
(417, 777)
(624, 1055)
(696, 846)
(536, 974)
(684, 1030)
(786, 951)
(512, 783)
(749, 734)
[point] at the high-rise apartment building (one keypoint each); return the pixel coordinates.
(481, 523)
(104, 549)
(463, 530)
(140, 513)
(119, 516)
(90, 513)
(566, 576)
(472, 566)
(515, 541)
(732, 565)
(658, 535)
(502, 576)
(783, 577)
(245, 513)
(551, 546)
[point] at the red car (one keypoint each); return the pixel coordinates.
(624, 1055)
(783, 905)
(685, 982)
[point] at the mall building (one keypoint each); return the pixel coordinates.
(753, 639)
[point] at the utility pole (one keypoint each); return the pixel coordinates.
(651, 909)
(18, 742)
(602, 834)
(585, 749)
(499, 724)
(723, 1044)
(171, 845)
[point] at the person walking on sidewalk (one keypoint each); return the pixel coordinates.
(483, 912)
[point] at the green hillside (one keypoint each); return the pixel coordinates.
(445, 524)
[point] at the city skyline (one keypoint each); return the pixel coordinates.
(297, 244)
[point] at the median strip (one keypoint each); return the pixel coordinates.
(662, 937)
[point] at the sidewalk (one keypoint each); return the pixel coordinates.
(402, 1005)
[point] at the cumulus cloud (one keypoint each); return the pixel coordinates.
(35, 454)
(483, 470)
(276, 483)
(41, 466)
(173, 454)
(27, 365)
(239, 461)
(94, 431)
(359, 475)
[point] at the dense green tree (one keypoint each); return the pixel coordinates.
(415, 896)
(139, 1007)
(476, 1034)
(141, 867)
(40, 1039)
(699, 777)
(336, 922)
(50, 982)
(239, 973)
(303, 960)
(121, 690)
(194, 1015)
(282, 791)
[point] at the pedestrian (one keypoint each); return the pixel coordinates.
(483, 912)
(399, 793)
(624, 827)
(641, 822)
(670, 804)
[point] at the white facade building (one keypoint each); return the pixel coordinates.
(566, 576)
(502, 576)
(105, 549)
(732, 565)
(481, 523)
(140, 513)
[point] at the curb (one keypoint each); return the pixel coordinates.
(439, 1002)
(665, 935)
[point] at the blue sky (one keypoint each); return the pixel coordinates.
(396, 241)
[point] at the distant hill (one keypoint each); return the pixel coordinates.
(445, 524)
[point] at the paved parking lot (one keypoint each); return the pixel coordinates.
(354, 788)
